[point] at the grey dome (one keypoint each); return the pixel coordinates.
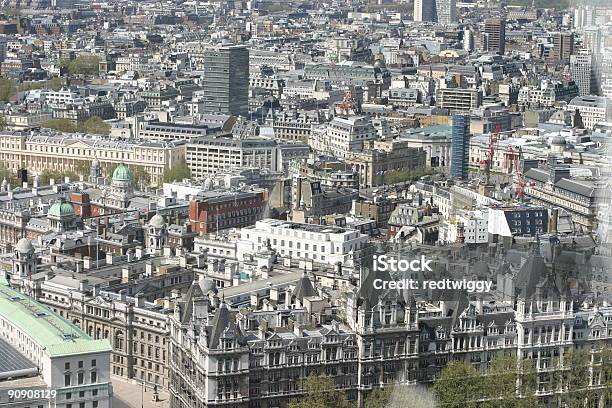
(157, 221)
(207, 285)
(24, 246)
(558, 140)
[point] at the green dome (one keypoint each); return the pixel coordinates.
(61, 208)
(122, 173)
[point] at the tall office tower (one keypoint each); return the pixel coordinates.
(425, 10)
(584, 73)
(468, 39)
(584, 16)
(460, 146)
(563, 46)
(3, 42)
(592, 40)
(226, 80)
(495, 28)
(446, 11)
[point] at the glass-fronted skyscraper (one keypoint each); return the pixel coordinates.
(460, 146)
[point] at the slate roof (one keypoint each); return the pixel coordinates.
(304, 288)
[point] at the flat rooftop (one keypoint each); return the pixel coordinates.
(304, 227)
(57, 335)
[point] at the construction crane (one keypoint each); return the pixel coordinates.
(488, 162)
(519, 178)
(347, 106)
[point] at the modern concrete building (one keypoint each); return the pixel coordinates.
(226, 80)
(495, 30)
(563, 46)
(211, 155)
(458, 99)
(593, 109)
(446, 11)
(582, 69)
(425, 10)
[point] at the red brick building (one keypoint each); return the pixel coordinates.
(229, 210)
(81, 204)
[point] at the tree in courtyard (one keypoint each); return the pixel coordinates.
(458, 386)
(320, 392)
(7, 89)
(177, 173)
(95, 125)
(63, 125)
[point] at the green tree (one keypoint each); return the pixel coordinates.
(573, 373)
(379, 398)
(142, 178)
(53, 83)
(550, 4)
(320, 392)
(398, 176)
(10, 176)
(85, 64)
(95, 125)
(2, 122)
(57, 176)
(82, 168)
(606, 374)
(458, 386)
(63, 125)
(7, 89)
(500, 383)
(177, 173)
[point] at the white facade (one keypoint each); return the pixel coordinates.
(473, 225)
(323, 244)
(343, 136)
(593, 109)
(213, 155)
(68, 360)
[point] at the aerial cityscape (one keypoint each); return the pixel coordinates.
(305, 204)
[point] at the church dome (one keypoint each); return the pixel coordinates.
(157, 221)
(61, 208)
(122, 173)
(24, 246)
(207, 285)
(558, 140)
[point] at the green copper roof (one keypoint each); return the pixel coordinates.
(122, 173)
(61, 208)
(58, 336)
